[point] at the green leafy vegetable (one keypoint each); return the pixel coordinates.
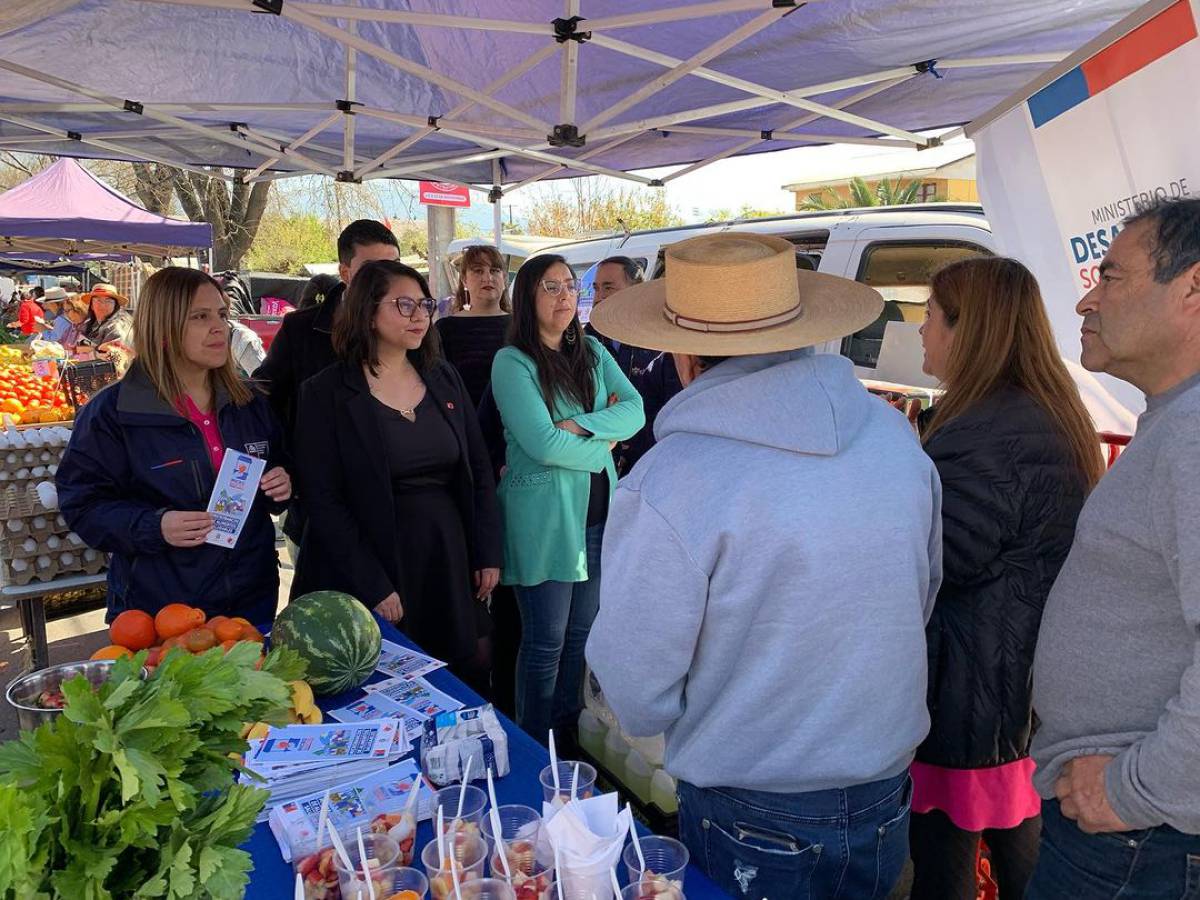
(130, 792)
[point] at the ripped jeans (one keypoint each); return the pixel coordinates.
(827, 845)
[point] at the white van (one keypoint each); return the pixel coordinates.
(893, 249)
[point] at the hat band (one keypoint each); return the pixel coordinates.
(733, 327)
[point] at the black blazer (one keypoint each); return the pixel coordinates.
(1011, 493)
(349, 541)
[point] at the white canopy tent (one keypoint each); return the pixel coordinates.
(508, 92)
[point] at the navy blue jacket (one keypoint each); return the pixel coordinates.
(132, 458)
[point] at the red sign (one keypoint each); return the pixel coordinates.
(443, 193)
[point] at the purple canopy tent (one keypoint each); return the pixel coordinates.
(66, 211)
(507, 92)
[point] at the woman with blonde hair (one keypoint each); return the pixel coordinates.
(1017, 455)
(143, 459)
(474, 332)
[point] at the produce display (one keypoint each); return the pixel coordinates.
(27, 398)
(130, 791)
(179, 625)
(335, 635)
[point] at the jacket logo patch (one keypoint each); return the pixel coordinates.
(261, 449)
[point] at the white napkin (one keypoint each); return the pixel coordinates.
(589, 836)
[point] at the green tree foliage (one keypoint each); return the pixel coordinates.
(587, 206)
(895, 192)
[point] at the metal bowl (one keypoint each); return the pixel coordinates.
(23, 691)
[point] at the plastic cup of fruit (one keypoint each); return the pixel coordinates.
(407, 884)
(475, 802)
(383, 857)
(520, 831)
(572, 891)
(647, 890)
(528, 882)
(400, 827)
(314, 864)
(666, 860)
(470, 855)
(566, 777)
(488, 889)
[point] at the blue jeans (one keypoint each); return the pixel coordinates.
(556, 618)
(1150, 864)
(846, 844)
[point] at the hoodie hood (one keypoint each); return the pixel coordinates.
(798, 400)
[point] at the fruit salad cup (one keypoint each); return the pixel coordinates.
(666, 861)
(407, 884)
(401, 827)
(470, 855)
(566, 778)
(315, 866)
(529, 882)
(383, 857)
(458, 828)
(488, 889)
(653, 889)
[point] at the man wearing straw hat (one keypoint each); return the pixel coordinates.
(779, 550)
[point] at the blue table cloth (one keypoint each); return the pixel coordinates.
(272, 878)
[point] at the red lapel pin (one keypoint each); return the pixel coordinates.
(449, 405)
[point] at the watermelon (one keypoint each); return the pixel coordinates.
(335, 634)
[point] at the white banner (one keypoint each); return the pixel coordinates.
(1059, 172)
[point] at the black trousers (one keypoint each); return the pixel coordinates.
(943, 857)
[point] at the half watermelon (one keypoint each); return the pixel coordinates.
(335, 634)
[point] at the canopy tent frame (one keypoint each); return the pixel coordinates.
(523, 136)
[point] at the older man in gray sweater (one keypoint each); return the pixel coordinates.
(1117, 671)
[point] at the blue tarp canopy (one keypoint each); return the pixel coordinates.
(507, 92)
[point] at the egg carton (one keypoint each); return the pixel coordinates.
(28, 458)
(45, 568)
(44, 437)
(31, 547)
(28, 499)
(38, 525)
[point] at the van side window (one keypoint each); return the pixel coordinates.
(900, 271)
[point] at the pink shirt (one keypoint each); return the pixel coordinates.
(977, 799)
(207, 423)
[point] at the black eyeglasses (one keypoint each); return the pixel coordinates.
(408, 306)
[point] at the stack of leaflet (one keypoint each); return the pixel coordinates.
(296, 760)
(374, 803)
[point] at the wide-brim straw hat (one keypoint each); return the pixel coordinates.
(105, 290)
(736, 294)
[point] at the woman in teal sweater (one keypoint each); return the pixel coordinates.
(564, 403)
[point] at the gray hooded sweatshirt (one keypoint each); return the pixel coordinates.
(768, 570)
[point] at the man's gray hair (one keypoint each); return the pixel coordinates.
(1175, 236)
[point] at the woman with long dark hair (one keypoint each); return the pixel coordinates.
(564, 402)
(473, 333)
(1017, 454)
(398, 490)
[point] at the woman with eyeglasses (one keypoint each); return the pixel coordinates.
(564, 403)
(401, 504)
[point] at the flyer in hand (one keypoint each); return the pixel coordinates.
(232, 496)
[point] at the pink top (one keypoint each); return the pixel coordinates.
(207, 423)
(977, 799)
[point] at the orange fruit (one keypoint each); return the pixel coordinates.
(228, 645)
(250, 633)
(216, 620)
(404, 895)
(133, 629)
(112, 652)
(227, 630)
(154, 657)
(200, 639)
(171, 642)
(176, 618)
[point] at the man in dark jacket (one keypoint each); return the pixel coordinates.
(304, 344)
(652, 372)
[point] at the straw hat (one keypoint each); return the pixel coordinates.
(736, 294)
(104, 290)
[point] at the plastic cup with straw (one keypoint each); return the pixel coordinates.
(366, 869)
(575, 782)
(299, 895)
(637, 845)
(441, 824)
(454, 878)
(554, 765)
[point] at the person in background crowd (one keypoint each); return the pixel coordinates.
(75, 312)
(144, 453)
(401, 505)
(475, 330)
(246, 347)
(471, 337)
(30, 317)
(109, 324)
(304, 344)
(318, 288)
(1116, 676)
(56, 324)
(651, 372)
(1017, 453)
(750, 608)
(564, 402)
